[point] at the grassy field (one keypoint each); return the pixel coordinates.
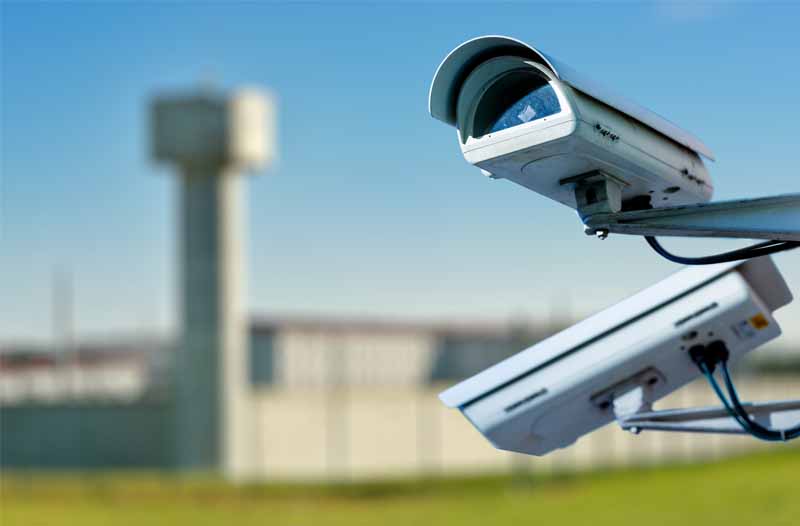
(746, 491)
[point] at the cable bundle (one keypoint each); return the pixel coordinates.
(737, 411)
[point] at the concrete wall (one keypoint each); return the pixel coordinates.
(338, 433)
(313, 359)
(345, 434)
(85, 436)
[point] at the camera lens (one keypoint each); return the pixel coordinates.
(514, 99)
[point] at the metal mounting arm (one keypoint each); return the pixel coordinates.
(776, 218)
(777, 415)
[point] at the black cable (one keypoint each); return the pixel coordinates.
(715, 386)
(739, 413)
(765, 433)
(759, 249)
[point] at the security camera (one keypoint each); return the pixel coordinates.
(615, 364)
(524, 116)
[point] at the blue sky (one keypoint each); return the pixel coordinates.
(370, 209)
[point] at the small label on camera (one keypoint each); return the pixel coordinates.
(744, 330)
(759, 321)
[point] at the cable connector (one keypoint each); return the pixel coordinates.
(708, 356)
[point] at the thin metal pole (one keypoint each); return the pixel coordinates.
(63, 329)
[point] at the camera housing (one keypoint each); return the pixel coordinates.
(572, 383)
(524, 116)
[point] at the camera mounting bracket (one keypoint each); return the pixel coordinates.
(775, 218)
(596, 192)
(631, 402)
(776, 414)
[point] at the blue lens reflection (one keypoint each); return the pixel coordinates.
(539, 103)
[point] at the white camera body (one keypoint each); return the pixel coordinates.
(524, 116)
(549, 395)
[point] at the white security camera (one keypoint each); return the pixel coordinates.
(614, 364)
(524, 116)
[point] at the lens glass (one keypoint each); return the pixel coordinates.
(538, 103)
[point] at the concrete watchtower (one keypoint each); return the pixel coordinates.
(211, 139)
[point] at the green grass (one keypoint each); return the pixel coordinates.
(752, 490)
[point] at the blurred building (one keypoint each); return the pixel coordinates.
(116, 370)
(327, 399)
(54, 404)
(287, 353)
